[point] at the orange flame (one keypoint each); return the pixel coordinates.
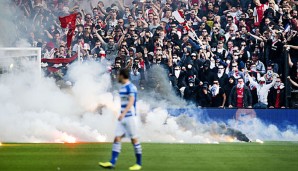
(65, 138)
(230, 139)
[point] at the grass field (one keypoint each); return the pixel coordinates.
(157, 157)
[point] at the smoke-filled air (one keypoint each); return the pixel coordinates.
(34, 109)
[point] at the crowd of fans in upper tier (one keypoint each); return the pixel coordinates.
(216, 53)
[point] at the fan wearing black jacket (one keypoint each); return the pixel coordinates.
(276, 96)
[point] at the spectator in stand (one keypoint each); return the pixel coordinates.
(110, 47)
(293, 78)
(262, 91)
(275, 48)
(135, 75)
(251, 70)
(259, 12)
(269, 74)
(222, 76)
(97, 48)
(235, 71)
(228, 88)
(204, 96)
(259, 65)
(190, 92)
(277, 96)
(240, 96)
(218, 95)
(272, 12)
(205, 74)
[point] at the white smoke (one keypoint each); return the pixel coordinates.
(7, 15)
(34, 109)
(254, 128)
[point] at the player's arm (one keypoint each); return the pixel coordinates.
(131, 100)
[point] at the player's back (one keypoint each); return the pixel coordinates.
(125, 92)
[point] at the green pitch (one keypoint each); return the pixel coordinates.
(269, 156)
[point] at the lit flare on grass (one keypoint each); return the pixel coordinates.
(65, 138)
(230, 139)
(259, 141)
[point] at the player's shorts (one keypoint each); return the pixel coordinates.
(127, 127)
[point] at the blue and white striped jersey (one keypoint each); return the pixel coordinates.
(127, 90)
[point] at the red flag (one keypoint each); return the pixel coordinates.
(53, 69)
(70, 19)
(70, 22)
(60, 60)
(63, 61)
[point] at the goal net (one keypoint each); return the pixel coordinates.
(14, 59)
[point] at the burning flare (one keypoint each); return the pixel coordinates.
(65, 138)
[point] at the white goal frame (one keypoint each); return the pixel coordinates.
(8, 53)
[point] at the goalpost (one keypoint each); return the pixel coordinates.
(11, 58)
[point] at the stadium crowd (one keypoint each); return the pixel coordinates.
(216, 53)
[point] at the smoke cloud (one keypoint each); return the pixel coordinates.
(15, 26)
(264, 131)
(159, 91)
(8, 28)
(34, 109)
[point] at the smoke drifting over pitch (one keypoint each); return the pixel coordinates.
(34, 109)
